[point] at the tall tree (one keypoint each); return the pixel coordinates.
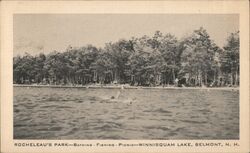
(120, 52)
(198, 56)
(230, 59)
(169, 51)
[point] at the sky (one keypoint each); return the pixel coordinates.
(35, 33)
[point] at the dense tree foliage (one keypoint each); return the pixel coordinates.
(146, 61)
(230, 60)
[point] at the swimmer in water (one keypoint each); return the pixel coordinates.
(118, 93)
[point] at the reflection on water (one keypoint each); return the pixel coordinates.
(70, 113)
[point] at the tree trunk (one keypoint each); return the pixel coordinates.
(196, 80)
(214, 80)
(173, 73)
(236, 78)
(165, 78)
(231, 79)
(206, 78)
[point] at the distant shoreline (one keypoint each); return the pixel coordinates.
(124, 86)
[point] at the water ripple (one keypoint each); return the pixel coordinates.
(58, 113)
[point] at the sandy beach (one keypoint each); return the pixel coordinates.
(124, 86)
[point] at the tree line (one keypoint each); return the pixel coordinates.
(155, 60)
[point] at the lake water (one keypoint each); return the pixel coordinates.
(77, 113)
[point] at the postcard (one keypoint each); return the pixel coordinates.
(124, 76)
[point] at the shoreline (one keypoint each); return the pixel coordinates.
(125, 87)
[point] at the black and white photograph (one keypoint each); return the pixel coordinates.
(126, 76)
